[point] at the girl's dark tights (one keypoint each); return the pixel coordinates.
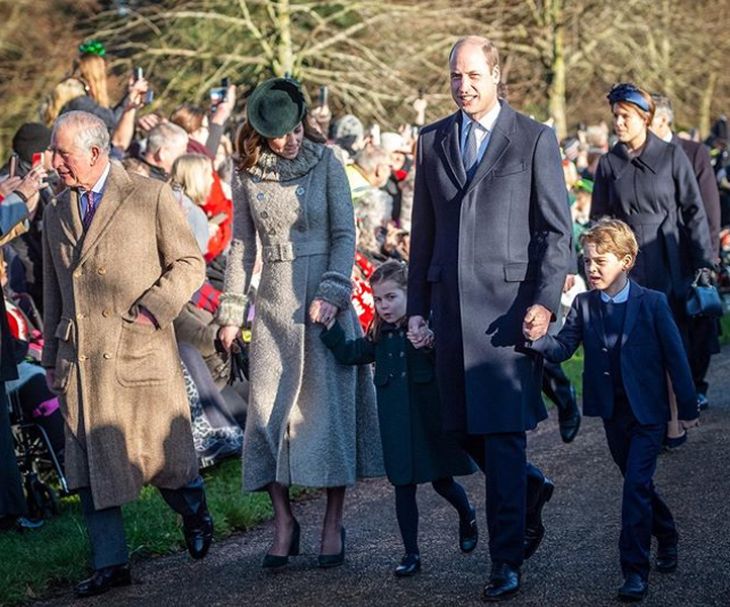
(406, 508)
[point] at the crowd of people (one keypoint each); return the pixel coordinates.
(335, 303)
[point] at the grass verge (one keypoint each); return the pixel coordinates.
(32, 562)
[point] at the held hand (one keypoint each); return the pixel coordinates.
(569, 283)
(426, 342)
(536, 322)
(418, 331)
(322, 312)
(228, 335)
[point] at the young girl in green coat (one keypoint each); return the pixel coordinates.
(415, 449)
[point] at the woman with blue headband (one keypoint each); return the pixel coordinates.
(650, 185)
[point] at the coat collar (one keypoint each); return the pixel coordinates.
(650, 158)
(118, 188)
(499, 140)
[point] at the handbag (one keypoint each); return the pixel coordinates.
(704, 298)
(239, 361)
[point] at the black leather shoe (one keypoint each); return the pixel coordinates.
(504, 583)
(198, 531)
(534, 529)
(274, 561)
(410, 565)
(666, 557)
(468, 533)
(634, 588)
(570, 423)
(104, 579)
(326, 561)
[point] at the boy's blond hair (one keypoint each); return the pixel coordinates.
(612, 236)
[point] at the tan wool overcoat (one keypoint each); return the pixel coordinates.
(120, 383)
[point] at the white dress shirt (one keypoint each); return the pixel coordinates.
(483, 127)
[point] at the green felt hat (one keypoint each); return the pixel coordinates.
(276, 107)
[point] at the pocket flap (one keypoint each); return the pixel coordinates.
(510, 169)
(63, 329)
(434, 274)
(517, 272)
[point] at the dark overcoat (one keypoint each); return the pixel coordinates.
(650, 347)
(656, 193)
(699, 157)
(482, 252)
(415, 447)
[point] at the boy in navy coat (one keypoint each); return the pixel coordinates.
(631, 344)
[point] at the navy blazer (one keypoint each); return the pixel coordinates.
(650, 347)
(483, 250)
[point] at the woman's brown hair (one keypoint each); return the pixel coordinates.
(188, 116)
(396, 272)
(249, 143)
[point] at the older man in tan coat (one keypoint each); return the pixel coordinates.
(119, 264)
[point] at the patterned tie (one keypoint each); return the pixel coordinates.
(90, 209)
(471, 150)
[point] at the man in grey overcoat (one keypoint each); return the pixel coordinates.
(119, 264)
(490, 249)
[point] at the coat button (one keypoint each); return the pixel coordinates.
(106, 313)
(403, 374)
(77, 274)
(80, 315)
(264, 215)
(301, 227)
(402, 354)
(606, 373)
(390, 375)
(260, 196)
(300, 191)
(82, 357)
(390, 355)
(107, 355)
(604, 349)
(101, 271)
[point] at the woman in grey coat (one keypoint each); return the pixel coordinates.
(310, 421)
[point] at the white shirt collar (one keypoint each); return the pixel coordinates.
(668, 137)
(98, 187)
(620, 297)
(487, 121)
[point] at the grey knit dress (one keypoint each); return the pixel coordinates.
(310, 420)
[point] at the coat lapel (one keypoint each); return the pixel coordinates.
(451, 146)
(498, 142)
(69, 217)
(597, 315)
(633, 304)
(117, 189)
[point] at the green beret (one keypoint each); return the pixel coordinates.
(276, 107)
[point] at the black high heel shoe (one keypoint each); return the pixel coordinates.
(274, 561)
(326, 561)
(468, 532)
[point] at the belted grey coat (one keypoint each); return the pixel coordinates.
(310, 420)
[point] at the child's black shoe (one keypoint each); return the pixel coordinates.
(409, 565)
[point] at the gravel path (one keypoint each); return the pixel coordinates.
(577, 564)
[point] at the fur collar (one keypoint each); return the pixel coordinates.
(271, 167)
